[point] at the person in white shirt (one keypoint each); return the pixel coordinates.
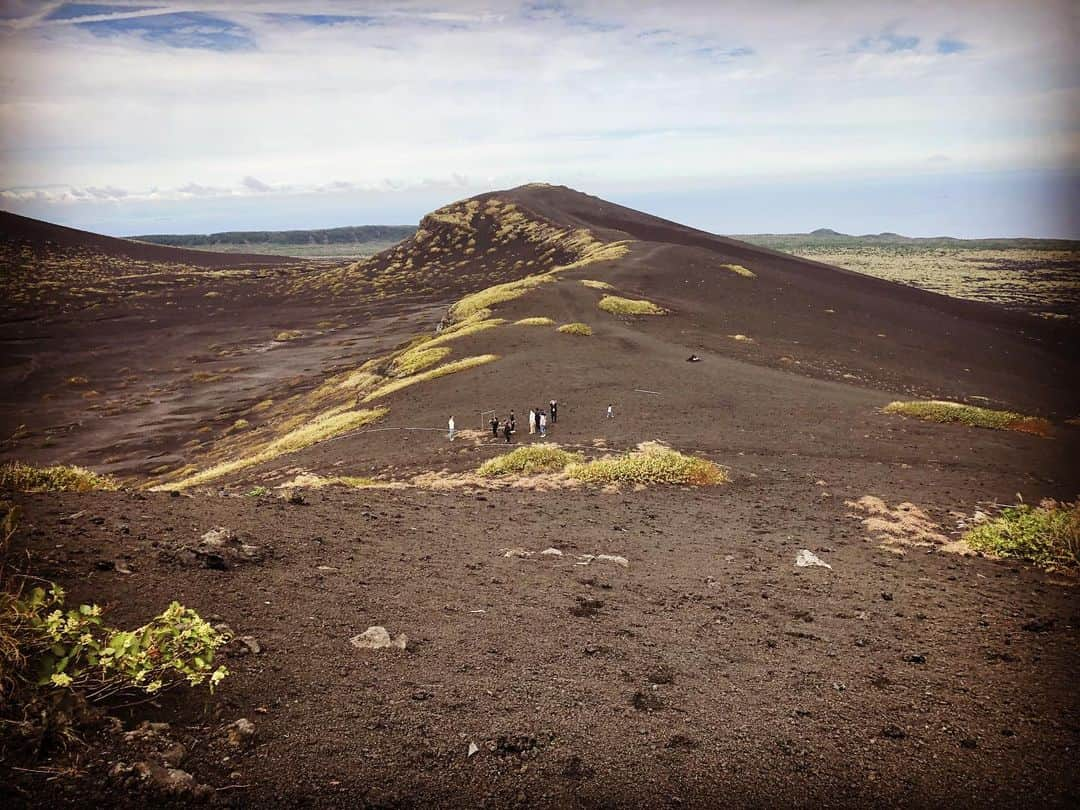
(543, 424)
(532, 421)
(450, 424)
(610, 412)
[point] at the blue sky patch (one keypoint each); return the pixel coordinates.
(947, 45)
(887, 42)
(185, 29)
(73, 11)
(324, 19)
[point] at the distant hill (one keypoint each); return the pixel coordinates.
(18, 232)
(827, 237)
(355, 240)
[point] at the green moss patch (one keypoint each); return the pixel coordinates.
(971, 415)
(528, 460)
(1047, 534)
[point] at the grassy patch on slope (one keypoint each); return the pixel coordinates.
(441, 371)
(971, 415)
(533, 458)
(539, 321)
(629, 306)
(582, 329)
(324, 426)
(60, 478)
(597, 285)
(1047, 534)
(745, 272)
(652, 463)
(497, 294)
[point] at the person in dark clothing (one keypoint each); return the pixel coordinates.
(495, 426)
(554, 408)
(507, 431)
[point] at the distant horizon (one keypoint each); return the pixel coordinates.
(1052, 198)
(958, 118)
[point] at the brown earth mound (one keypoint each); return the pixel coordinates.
(709, 669)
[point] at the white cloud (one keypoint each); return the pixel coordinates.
(486, 92)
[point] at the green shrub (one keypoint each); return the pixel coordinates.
(257, 492)
(652, 463)
(74, 649)
(1047, 534)
(60, 478)
(597, 285)
(287, 335)
(629, 306)
(971, 415)
(576, 329)
(530, 459)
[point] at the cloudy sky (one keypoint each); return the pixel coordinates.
(919, 117)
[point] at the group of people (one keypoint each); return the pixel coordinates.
(539, 420)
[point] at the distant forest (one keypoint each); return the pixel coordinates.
(352, 235)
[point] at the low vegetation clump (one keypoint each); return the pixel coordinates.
(48, 650)
(74, 649)
(597, 285)
(582, 329)
(629, 306)
(528, 460)
(651, 463)
(463, 364)
(417, 359)
(324, 426)
(287, 335)
(745, 272)
(1047, 534)
(59, 478)
(497, 294)
(541, 321)
(971, 415)
(314, 481)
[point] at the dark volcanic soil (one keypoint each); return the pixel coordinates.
(710, 671)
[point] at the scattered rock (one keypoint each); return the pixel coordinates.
(806, 558)
(515, 744)
(240, 733)
(249, 644)
(915, 659)
(886, 596)
(516, 553)
(661, 675)
(682, 741)
(174, 755)
(574, 767)
(586, 608)
(171, 780)
(893, 732)
(969, 742)
(1039, 625)
(297, 498)
(646, 701)
(376, 638)
(551, 552)
(614, 558)
(473, 749)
